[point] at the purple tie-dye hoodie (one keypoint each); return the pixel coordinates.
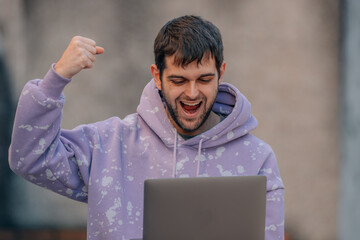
(106, 163)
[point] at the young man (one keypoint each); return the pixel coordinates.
(188, 124)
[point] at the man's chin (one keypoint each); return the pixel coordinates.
(190, 127)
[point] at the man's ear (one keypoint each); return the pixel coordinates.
(156, 75)
(222, 71)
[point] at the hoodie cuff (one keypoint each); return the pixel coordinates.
(53, 84)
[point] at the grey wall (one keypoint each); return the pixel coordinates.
(283, 55)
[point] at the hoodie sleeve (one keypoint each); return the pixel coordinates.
(39, 150)
(274, 222)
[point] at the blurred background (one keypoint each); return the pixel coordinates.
(296, 61)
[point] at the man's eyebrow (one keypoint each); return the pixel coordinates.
(207, 75)
(175, 76)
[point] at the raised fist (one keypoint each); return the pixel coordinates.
(79, 54)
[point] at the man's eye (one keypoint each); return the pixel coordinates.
(177, 82)
(205, 80)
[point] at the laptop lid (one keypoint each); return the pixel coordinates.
(205, 208)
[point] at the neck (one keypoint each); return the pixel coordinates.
(210, 122)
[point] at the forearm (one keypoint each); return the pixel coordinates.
(37, 151)
(37, 120)
(274, 224)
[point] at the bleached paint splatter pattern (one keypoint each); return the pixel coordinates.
(41, 150)
(112, 211)
(219, 151)
(106, 181)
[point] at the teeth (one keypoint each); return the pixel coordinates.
(191, 104)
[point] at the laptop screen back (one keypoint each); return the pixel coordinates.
(205, 208)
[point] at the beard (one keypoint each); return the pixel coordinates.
(189, 125)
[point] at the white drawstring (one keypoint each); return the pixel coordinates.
(199, 158)
(174, 155)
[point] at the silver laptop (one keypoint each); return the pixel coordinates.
(205, 208)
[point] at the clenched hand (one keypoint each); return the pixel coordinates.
(80, 54)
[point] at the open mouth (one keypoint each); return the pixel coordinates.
(190, 107)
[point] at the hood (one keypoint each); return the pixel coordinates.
(229, 103)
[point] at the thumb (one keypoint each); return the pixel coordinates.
(99, 50)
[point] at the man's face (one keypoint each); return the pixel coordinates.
(189, 93)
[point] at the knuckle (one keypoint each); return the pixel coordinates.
(83, 65)
(77, 41)
(76, 37)
(91, 50)
(83, 58)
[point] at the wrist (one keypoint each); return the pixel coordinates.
(59, 70)
(53, 83)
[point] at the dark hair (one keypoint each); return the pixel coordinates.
(190, 38)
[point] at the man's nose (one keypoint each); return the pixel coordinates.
(192, 90)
